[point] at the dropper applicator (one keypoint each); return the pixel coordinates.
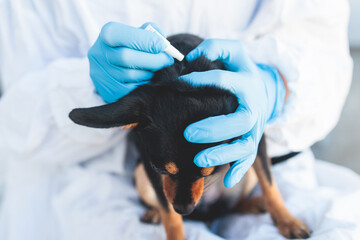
(169, 49)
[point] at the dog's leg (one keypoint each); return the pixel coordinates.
(173, 224)
(288, 225)
(245, 204)
(152, 216)
(254, 205)
(147, 195)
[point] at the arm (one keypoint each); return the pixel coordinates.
(303, 57)
(307, 42)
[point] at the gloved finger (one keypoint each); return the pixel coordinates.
(211, 129)
(220, 78)
(116, 34)
(237, 83)
(129, 58)
(115, 92)
(226, 153)
(120, 74)
(98, 60)
(231, 52)
(109, 88)
(154, 25)
(238, 170)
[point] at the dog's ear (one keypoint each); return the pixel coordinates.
(126, 112)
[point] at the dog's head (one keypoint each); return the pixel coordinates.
(158, 114)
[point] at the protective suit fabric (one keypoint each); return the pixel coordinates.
(48, 189)
(47, 203)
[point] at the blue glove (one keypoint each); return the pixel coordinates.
(124, 57)
(261, 93)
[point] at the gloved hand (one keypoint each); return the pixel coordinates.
(124, 57)
(261, 94)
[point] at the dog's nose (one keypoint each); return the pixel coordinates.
(184, 209)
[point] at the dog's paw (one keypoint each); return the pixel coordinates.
(293, 228)
(151, 216)
(176, 237)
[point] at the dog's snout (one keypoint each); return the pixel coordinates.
(184, 209)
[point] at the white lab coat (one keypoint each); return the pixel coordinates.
(54, 168)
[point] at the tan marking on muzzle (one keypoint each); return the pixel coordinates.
(169, 187)
(207, 171)
(171, 168)
(197, 190)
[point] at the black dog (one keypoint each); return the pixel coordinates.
(167, 179)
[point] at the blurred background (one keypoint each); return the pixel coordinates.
(342, 145)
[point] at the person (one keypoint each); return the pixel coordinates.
(287, 62)
(124, 57)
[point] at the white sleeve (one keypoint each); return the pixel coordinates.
(45, 72)
(34, 123)
(35, 33)
(307, 42)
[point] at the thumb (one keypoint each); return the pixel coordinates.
(116, 34)
(238, 170)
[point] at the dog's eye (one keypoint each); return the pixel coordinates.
(163, 172)
(171, 168)
(158, 169)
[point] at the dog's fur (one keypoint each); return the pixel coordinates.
(167, 179)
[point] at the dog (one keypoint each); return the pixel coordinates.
(167, 180)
